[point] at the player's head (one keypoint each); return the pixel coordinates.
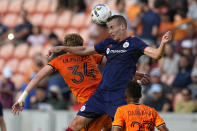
(117, 27)
(73, 40)
(133, 92)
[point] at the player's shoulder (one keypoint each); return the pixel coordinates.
(134, 38)
(148, 108)
(124, 107)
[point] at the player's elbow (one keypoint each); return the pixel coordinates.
(157, 55)
(163, 128)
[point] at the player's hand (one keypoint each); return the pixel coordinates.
(167, 37)
(142, 78)
(54, 50)
(17, 108)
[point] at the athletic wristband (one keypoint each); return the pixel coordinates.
(23, 97)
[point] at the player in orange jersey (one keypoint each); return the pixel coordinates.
(135, 116)
(81, 75)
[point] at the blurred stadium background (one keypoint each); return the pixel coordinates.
(28, 28)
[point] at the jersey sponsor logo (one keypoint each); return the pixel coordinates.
(108, 50)
(115, 51)
(126, 44)
(83, 108)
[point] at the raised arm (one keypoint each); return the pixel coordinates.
(45, 71)
(79, 50)
(156, 53)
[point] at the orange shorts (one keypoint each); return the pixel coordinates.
(103, 123)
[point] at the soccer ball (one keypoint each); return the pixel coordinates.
(100, 13)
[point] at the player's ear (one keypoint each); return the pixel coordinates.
(122, 27)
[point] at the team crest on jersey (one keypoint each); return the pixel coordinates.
(83, 108)
(126, 44)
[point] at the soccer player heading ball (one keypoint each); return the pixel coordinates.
(122, 53)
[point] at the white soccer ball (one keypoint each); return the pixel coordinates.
(100, 13)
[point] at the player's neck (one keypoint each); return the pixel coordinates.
(123, 37)
(133, 101)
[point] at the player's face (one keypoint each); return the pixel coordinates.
(114, 29)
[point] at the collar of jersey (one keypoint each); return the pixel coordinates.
(120, 41)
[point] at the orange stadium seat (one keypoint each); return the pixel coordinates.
(53, 6)
(84, 34)
(46, 49)
(88, 20)
(50, 20)
(34, 49)
(91, 5)
(64, 19)
(15, 6)
(10, 20)
(19, 20)
(6, 50)
(18, 80)
(111, 4)
(25, 66)
(2, 62)
(37, 19)
(30, 5)
(60, 33)
(43, 6)
(46, 31)
(78, 20)
(4, 6)
(21, 50)
(71, 30)
(13, 64)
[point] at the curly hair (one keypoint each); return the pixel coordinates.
(73, 40)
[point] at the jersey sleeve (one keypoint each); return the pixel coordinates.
(102, 46)
(118, 119)
(140, 45)
(98, 58)
(54, 64)
(158, 120)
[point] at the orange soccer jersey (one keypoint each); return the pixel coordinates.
(137, 117)
(80, 73)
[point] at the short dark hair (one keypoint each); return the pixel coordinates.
(53, 36)
(144, 1)
(118, 2)
(120, 19)
(73, 39)
(134, 90)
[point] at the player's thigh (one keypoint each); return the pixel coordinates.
(103, 123)
(80, 122)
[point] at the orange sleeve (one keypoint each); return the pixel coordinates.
(158, 120)
(98, 58)
(54, 63)
(118, 119)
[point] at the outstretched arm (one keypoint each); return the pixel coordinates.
(156, 53)
(79, 50)
(45, 71)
